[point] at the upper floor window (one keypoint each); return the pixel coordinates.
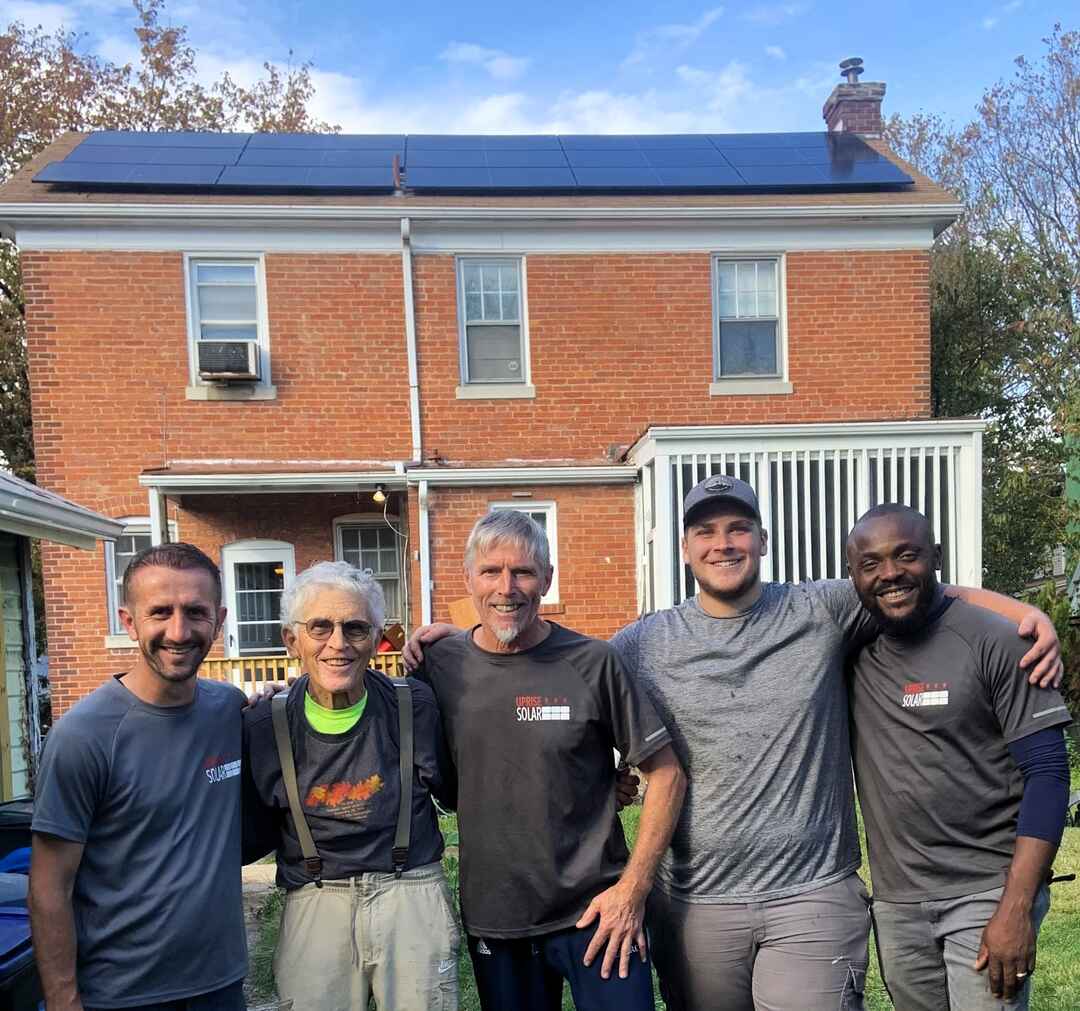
(376, 547)
(491, 311)
(229, 348)
(748, 321)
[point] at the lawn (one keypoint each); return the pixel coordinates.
(1057, 980)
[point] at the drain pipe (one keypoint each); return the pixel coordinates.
(410, 339)
(425, 556)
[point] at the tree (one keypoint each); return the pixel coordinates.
(1004, 335)
(47, 87)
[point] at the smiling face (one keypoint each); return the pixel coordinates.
(506, 584)
(892, 563)
(723, 547)
(335, 665)
(174, 616)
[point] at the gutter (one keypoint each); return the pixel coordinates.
(328, 215)
(425, 556)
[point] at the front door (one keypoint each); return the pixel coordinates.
(255, 573)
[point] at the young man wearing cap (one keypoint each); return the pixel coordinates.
(757, 901)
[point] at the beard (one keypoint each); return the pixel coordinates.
(912, 623)
(152, 653)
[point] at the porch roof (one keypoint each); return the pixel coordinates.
(30, 511)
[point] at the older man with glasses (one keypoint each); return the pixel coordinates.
(338, 779)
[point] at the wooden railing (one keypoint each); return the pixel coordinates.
(251, 672)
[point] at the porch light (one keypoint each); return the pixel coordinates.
(380, 494)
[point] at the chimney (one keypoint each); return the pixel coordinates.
(854, 107)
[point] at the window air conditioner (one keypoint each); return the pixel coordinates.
(229, 361)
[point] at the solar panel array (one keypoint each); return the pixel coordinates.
(430, 163)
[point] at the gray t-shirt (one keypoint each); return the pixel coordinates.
(933, 718)
(153, 793)
(757, 710)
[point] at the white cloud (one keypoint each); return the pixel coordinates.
(775, 14)
(776, 52)
(49, 16)
(664, 38)
(989, 23)
(501, 66)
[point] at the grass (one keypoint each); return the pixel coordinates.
(1057, 982)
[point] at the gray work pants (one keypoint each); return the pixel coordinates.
(927, 950)
(803, 953)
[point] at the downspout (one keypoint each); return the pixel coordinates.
(410, 340)
(414, 418)
(425, 556)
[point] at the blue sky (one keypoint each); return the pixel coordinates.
(561, 66)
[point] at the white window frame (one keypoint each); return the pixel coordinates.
(116, 637)
(375, 520)
(742, 385)
(472, 389)
(200, 389)
(551, 512)
(251, 551)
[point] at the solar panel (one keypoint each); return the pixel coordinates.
(135, 138)
(685, 157)
(617, 178)
(327, 141)
(474, 163)
(316, 158)
(703, 177)
(117, 154)
(298, 177)
(91, 174)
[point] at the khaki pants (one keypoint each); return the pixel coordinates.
(372, 935)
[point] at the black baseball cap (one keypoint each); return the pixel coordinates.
(720, 488)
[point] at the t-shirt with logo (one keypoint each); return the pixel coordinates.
(932, 718)
(531, 735)
(153, 794)
(349, 785)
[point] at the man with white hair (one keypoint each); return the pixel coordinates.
(531, 712)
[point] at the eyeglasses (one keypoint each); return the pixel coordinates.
(356, 632)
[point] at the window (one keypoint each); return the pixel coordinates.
(544, 514)
(254, 574)
(226, 302)
(491, 308)
(748, 325)
(118, 556)
(374, 546)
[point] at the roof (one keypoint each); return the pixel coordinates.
(22, 191)
(31, 511)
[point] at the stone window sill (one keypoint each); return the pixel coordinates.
(120, 642)
(749, 388)
(496, 391)
(239, 392)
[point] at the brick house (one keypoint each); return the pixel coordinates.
(423, 356)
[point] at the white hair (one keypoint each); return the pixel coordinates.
(509, 525)
(337, 576)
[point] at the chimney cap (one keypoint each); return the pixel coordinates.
(851, 68)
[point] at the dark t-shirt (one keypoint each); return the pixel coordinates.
(153, 793)
(932, 718)
(348, 785)
(531, 735)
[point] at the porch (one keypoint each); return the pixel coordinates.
(250, 673)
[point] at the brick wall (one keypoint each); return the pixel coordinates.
(618, 342)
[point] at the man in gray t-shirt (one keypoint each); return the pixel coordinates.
(135, 879)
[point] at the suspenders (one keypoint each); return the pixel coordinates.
(312, 860)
